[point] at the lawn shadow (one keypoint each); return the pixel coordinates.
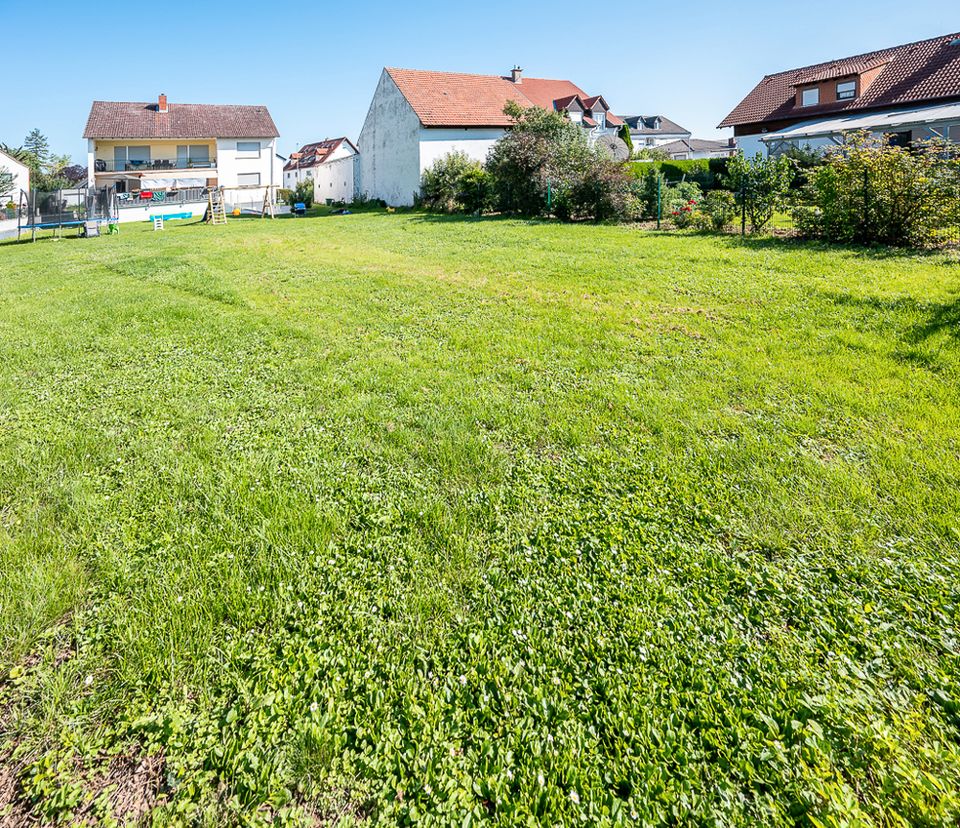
(936, 317)
(791, 243)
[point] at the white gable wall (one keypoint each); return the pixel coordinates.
(474, 141)
(234, 169)
(336, 180)
(390, 147)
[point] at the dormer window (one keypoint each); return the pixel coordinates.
(846, 90)
(810, 97)
(601, 118)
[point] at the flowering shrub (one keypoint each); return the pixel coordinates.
(684, 215)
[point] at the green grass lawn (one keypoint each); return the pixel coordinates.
(390, 518)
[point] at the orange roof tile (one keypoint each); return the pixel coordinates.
(454, 99)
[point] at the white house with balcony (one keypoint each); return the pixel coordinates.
(417, 117)
(162, 156)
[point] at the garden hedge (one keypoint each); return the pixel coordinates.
(707, 172)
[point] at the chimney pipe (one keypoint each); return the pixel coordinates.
(516, 74)
(162, 103)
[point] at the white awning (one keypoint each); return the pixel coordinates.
(892, 120)
(171, 183)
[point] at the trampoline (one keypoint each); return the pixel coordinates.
(83, 208)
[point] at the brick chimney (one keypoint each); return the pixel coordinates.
(516, 74)
(162, 103)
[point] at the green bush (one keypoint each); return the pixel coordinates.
(545, 165)
(870, 192)
(302, 193)
(759, 185)
(455, 183)
(681, 203)
(719, 208)
(707, 173)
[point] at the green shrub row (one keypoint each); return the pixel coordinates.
(707, 173)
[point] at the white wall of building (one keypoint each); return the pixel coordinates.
(390, 147)
(474, 141)
(234, 168)
(336, 180)
(194, 209)
(750, 145)
(21, 176)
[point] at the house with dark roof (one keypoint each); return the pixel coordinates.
(908, 93)
(163, 146)
(330, 164)
(648, 131)
(689, 148)
(416, 117)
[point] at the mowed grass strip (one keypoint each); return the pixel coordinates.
(386, 518)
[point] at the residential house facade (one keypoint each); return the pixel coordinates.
(908, 93)
(417, 116)
(648, 131)
(148, 151)
(20, 173)
(330, 164)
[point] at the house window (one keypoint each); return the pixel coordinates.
(248, 179)
(846, 90)
(130, 158)
(810, 97)
(601, 118)
(194, 155)
(248, 149)
(954, 133)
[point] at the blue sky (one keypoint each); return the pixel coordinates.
(316, 67)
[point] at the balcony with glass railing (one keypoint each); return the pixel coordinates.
(103, 165)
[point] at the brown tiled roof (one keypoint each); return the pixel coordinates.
(923, 71)
(125, 119)
(453, 99)
(840, 69)
(312, 155)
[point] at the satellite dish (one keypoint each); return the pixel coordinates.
(614, 146)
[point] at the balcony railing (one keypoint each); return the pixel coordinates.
(149, 198)
(159, 164)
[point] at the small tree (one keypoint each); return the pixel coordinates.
(531, 163)
(624, 135)
(75, 173)
(37, 145)
(302, 193)
(759, 185)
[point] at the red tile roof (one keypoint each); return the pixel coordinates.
(915, 72)
(312, 155)
(126, 119)
(453, 99)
